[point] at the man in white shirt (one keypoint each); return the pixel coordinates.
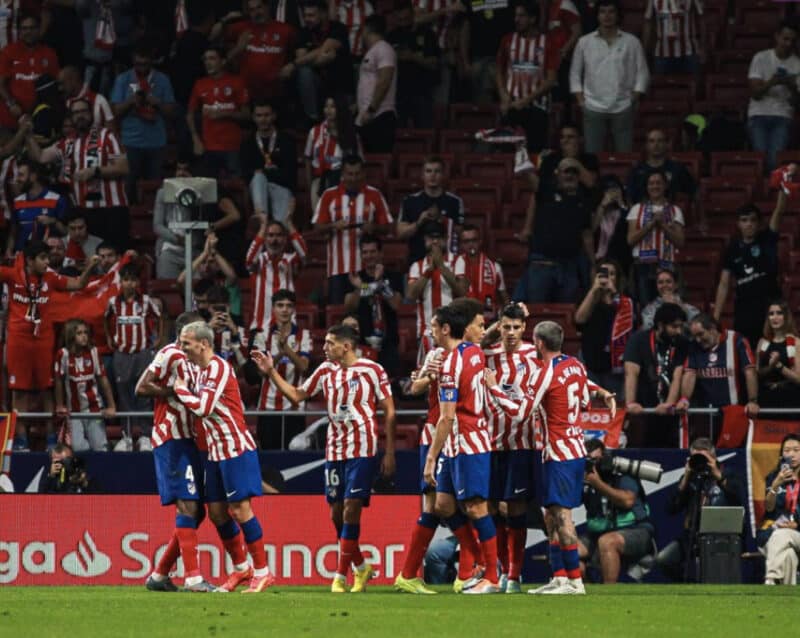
(608, 77)
(773, 80)
(377, 89)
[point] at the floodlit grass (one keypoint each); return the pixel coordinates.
(619, 612)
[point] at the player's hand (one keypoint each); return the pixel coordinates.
(388, 465)
(108, 413)
(610, 399)
(429, 473)
(489, 377)
(244, 40)
(55, 468)
(436, 256)
(179, 384)
(263, 361)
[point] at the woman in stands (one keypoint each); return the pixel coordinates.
(609, 223)
(779, 535)
(778, 365)
(327, 143)
(655, 232)
(668, 287)
(80, 379)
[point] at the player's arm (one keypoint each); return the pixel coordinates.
(607, 397)
(444, 426)
(491, 336)
(388, 463)
(266, 368)
(79, 283)
(147, 387)
(203, 404)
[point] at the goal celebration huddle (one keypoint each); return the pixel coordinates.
(494, 400)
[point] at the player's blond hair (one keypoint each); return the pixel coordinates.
(200, 330)
(550, 334)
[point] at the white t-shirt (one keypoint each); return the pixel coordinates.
(777, 100)
(380, 56)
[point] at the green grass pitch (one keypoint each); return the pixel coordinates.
(620, 611)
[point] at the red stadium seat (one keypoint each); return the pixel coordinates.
(732, 62)
(307, 315)
(488, 167)
(397, 189)
(409, 165)
(457, 141)
(720, 192)
(750, 38)
(473, 117)
(671, 88)
(738, 164)
(730, 89)
(146, 190)
(663, 115)
(333, 315)
(377, 169)
(477, 195)
(758, 14)
(618, 164)
(692, 159)
(170, 294)
(513, 215)
(414, 140)
(312, 281)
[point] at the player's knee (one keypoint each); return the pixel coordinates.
(241, 511)
(476, 509)
(218, 513)
(188, 508)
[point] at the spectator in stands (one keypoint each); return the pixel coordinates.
(559, 235)
(81, 385)
(667, 286)
(66, 474)
(363, 349)
(344, 213)
(38, 212)
(778, 364)
(432, 204)
(703, 484)
(484, 274)
(102, 47)
(610, 224)
(109, 256)
(143, 102)
(605, 319)
(272, 266)
(134, 328)
(73, 87)
(779, 536)
(570, 145)
(487, 24)
(655, 231)
(186, 61)
(434, 281)
(79, 244)
(230, 337)
(608, 77)
(563, 21)
(353, 15)
(323, 62)
(654, 362)
(375, 298)
(263, 50)
(170, 246)
(719, 365)
(327, 143)
(211, 264)
(21, 64)
(57, 253)
(527, 67)
(95, 164)
(774, 77)
(269, 164)
(221, 100)
(376, 94)
(618, 526)
(290, 347)
(417, 66)
(657, 159)
(751, 263)
(680, 36)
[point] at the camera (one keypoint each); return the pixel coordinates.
(641, 469)
(71, 468)
(699, 465)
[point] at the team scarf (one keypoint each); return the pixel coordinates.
(655, 246)
(621, 330)
(783, 179)
(181, 19)
(791, 349)
(105, 35)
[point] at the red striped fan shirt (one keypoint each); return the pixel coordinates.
(80, 373)
(271, 274)
(561, 16)
(352, 395)
(298, 340)
(95, 148)
(485, 279)
(676, 26)
(437, 291)
(101, 110)
(352, 15)
(132, 321)
(526, 62)
(344, 255)
(323, 150)
(440, 25)
(432, 418)
(214, 396)
(171, 419)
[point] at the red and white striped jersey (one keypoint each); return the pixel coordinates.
(437, 291)
(432, 418)
(526, 62)
(560, 391)
(344, 255)
(461, 382)
(352, 395)
(514, 371)
(323, 150)
(130, 318)
(676, 26)
(271, 274)
(102, 114)
(214, 397)
(352, 15)
(562, 14)
(298, 340)
(441, 25)
(80, 373)
(171, 419)
(97, 148)
(485, 278)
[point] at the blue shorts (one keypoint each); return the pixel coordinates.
(233, 480)
(512, 475)
(562, 483)
(424, 487)
(352, 478)
(465, 476)
(179, 471)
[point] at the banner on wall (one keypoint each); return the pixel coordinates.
(116, 540)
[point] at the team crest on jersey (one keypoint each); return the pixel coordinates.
(520, 367)
(475, 359)
(191, 488)
(353, 384)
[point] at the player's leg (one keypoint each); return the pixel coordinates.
(497, 485)
(359, 477)
(518, 489)
(568, 541)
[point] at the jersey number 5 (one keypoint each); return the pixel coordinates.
(573, 402)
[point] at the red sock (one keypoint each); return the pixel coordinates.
(489, 549)
(235, 548)
(469, 551)
(169, 557)
(187, 537)
(503, 536)
(480, 557)
(420, 539)
(516, 552)
(348, 553)
(259, 556)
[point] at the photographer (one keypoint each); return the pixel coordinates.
(67, 474)
(617, 515)
(704, 483)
